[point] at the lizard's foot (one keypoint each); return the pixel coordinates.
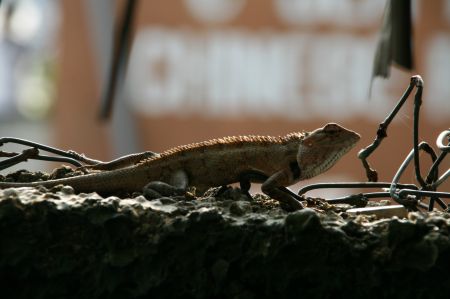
(247, 194)
(222, 190)
(289, 201)
(292, 206)
(159, 189)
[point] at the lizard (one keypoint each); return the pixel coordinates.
(275, 162)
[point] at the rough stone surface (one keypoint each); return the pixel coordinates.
(56, 244)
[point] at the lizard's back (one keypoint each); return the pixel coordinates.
(220, 161)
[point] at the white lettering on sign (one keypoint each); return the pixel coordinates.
(215, 11)
(295, 12)
(342, 12)
(235, 73)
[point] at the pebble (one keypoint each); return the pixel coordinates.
(167, 200)
(240, 207)
(11, 192)
(68, 190)
(303, 220)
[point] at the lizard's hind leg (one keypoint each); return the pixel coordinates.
(158, 189)
(245, 179)
(177, 187)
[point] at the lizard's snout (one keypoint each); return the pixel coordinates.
(338, 132)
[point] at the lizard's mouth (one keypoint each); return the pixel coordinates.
(332, 159)
(327, 161)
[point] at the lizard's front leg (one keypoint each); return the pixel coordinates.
(274, 186)
(177, 186)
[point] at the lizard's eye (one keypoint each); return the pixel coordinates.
(331, 128)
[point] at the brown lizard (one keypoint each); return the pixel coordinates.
(276, 162)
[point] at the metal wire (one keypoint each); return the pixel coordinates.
(70, 157)
(401, 193)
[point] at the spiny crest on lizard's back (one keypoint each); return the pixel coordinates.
(232, 140)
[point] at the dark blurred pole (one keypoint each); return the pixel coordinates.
(122, 122)
(395, 44)
(122, 41)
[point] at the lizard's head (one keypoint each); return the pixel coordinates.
(322, 148)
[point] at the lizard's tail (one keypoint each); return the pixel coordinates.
(76, 182)
(5, 185)
(103, 182)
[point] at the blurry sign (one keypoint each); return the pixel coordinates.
(311, 59)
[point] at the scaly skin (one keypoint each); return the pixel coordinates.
(276, 162)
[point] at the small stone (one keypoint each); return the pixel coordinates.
(156, 205)
(415, 216)
(240, 208)
(114, 201)
(10, 192)
(140, 199)
(68, 190)
(303, 220)
(136, 194)
(385, 202)
(353, 229)
(205, 215)
(50, 195)
(167, 200)
(437, 221)
(256, 219)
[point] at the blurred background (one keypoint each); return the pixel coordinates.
(200, 69)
